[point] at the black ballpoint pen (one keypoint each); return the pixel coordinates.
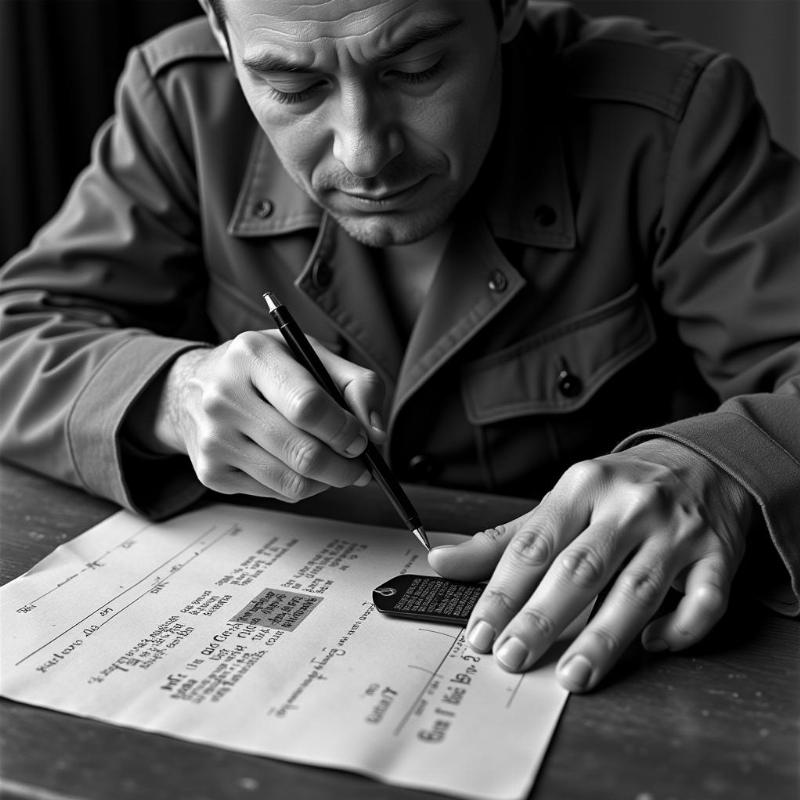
(305, 354)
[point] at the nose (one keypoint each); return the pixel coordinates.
(366, 136)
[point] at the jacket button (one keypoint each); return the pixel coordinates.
(498, 281)
(420, 467)
(545, 216)
(321, 274)
(569, 384)
(263, 209)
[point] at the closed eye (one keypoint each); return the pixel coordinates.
(299, 96)
(419, 76)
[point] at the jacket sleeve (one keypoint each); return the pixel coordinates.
(728, 273)
(106, 296)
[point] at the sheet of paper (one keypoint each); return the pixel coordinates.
(255, 630)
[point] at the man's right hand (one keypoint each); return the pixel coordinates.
(253, 420)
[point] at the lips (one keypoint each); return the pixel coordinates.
(388, 199)
(378, 197)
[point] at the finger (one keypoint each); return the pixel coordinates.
(362, 390)
(708, 583)
(298, 451)
(539, 536)
(636, 595)
(294, 392)
(574, 579)
(238, 482)
(239, 466)
(474, 559)
(279, 482)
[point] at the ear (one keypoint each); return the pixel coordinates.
(216, 28)
(513, 15)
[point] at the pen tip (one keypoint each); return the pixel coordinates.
(422, 537)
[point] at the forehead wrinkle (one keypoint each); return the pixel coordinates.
(304, 41)
(336, 15)
(306, 46)
(299, 21)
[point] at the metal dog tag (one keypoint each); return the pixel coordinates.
(427, 598)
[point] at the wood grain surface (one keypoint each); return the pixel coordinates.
(721, 720)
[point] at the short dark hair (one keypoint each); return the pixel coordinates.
(218, 7)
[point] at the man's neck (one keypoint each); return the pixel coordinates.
(409, 270)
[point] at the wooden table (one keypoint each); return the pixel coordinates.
(719, 721)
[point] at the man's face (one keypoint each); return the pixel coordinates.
(381, 110)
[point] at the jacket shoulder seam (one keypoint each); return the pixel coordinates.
(187, 41)
(607, 69)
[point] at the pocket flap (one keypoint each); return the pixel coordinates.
(525, 378)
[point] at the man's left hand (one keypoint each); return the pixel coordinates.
(638, 522)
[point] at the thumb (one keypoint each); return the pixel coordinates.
(704, 602)
(476, 558)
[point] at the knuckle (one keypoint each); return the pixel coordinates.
(532, 547)
(205, 475)
(209, 444)
(212, 475)
(491, 535)
(294, 487)
(540, 622)
(499, 599)
(586, 473)
(648, 497)
(606, 639)
(305, 406)
(247, 343)
(213, 400)
(711, 599)
(304, 455)
(643, 588)
(583, 566)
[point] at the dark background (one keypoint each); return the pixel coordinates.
(60, 59)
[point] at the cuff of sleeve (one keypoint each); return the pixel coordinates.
(151, 485)
(158, 486)
(766, 469)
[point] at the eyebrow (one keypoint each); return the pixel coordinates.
(424, 32)
(421, 33)
(268, 62)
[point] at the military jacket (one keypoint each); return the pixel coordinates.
(626, 266)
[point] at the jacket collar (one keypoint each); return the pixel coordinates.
(523, 186)
(270, 203)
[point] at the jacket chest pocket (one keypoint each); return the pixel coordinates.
(561, 394)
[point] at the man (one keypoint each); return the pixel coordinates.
(522, 241)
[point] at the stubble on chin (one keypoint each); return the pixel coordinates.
(384, 230)
(374, 233)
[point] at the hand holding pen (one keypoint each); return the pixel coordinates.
(253, 420)
(307, 356)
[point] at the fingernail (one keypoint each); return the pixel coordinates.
(481, 636)
(512, 653)
(655, 645)
(577, 672)
(376, 421)
(357, 445)
(364, 478)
